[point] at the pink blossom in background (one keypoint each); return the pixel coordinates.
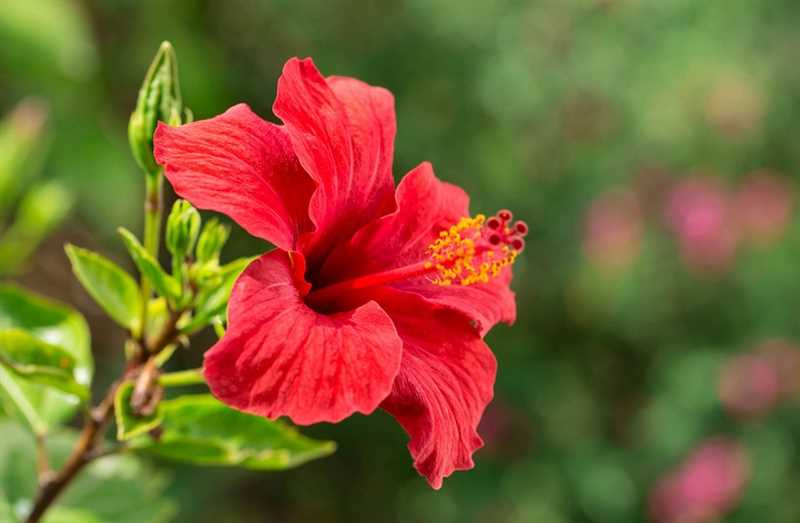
(705, 487)
(613, 230)
(699, 212)
(763, 207)
(749, 386)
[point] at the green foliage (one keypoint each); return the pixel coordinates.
(46, 38)
(70, 515)
(129, 423)
(110, 286)
(21, 147)
(54, 326)
(164, 284)
(201, 430)
(213, 297)
(34, 360)
(118, 488)
(44, 205)
(40, 211)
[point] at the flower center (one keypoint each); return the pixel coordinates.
(472, 251)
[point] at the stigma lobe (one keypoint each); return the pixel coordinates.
(474, 250)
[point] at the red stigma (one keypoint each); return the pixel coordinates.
(473, 250)
(501, 232)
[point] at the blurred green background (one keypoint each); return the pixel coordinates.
(652, 147)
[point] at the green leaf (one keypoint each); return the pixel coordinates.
(201, 430)
(6, 514)
(213, 300)
(163, 283)
(56, 325)
(17, 401)
(69, 515)
(40, 362)
(129, 423)
(110, 286)
(118, 488)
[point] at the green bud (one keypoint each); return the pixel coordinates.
(159, 100)
(183, 225)
(211, 241)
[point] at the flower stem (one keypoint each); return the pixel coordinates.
(184, 377)
(152, 212)
(153, 205)
(93, 428)
(87, 449)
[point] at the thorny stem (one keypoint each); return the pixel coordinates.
(87, 448)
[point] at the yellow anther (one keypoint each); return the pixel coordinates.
(457, 258)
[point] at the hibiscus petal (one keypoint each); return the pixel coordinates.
(343, 133)
(445, 382)
(280, 358)
(425, 206)
(242, 166)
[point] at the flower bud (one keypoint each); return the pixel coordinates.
(183, 225)
(211, 241)
(159, 100)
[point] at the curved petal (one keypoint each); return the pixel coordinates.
(242, 166)
(280, 358)
(343, 133)
(425, 206)
(445, 382)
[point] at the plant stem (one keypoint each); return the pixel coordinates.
(184, 377)
(96, 421)
(86, 448)
(153, 205)
(42, 461)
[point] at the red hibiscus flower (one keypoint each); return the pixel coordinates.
(374, 297)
